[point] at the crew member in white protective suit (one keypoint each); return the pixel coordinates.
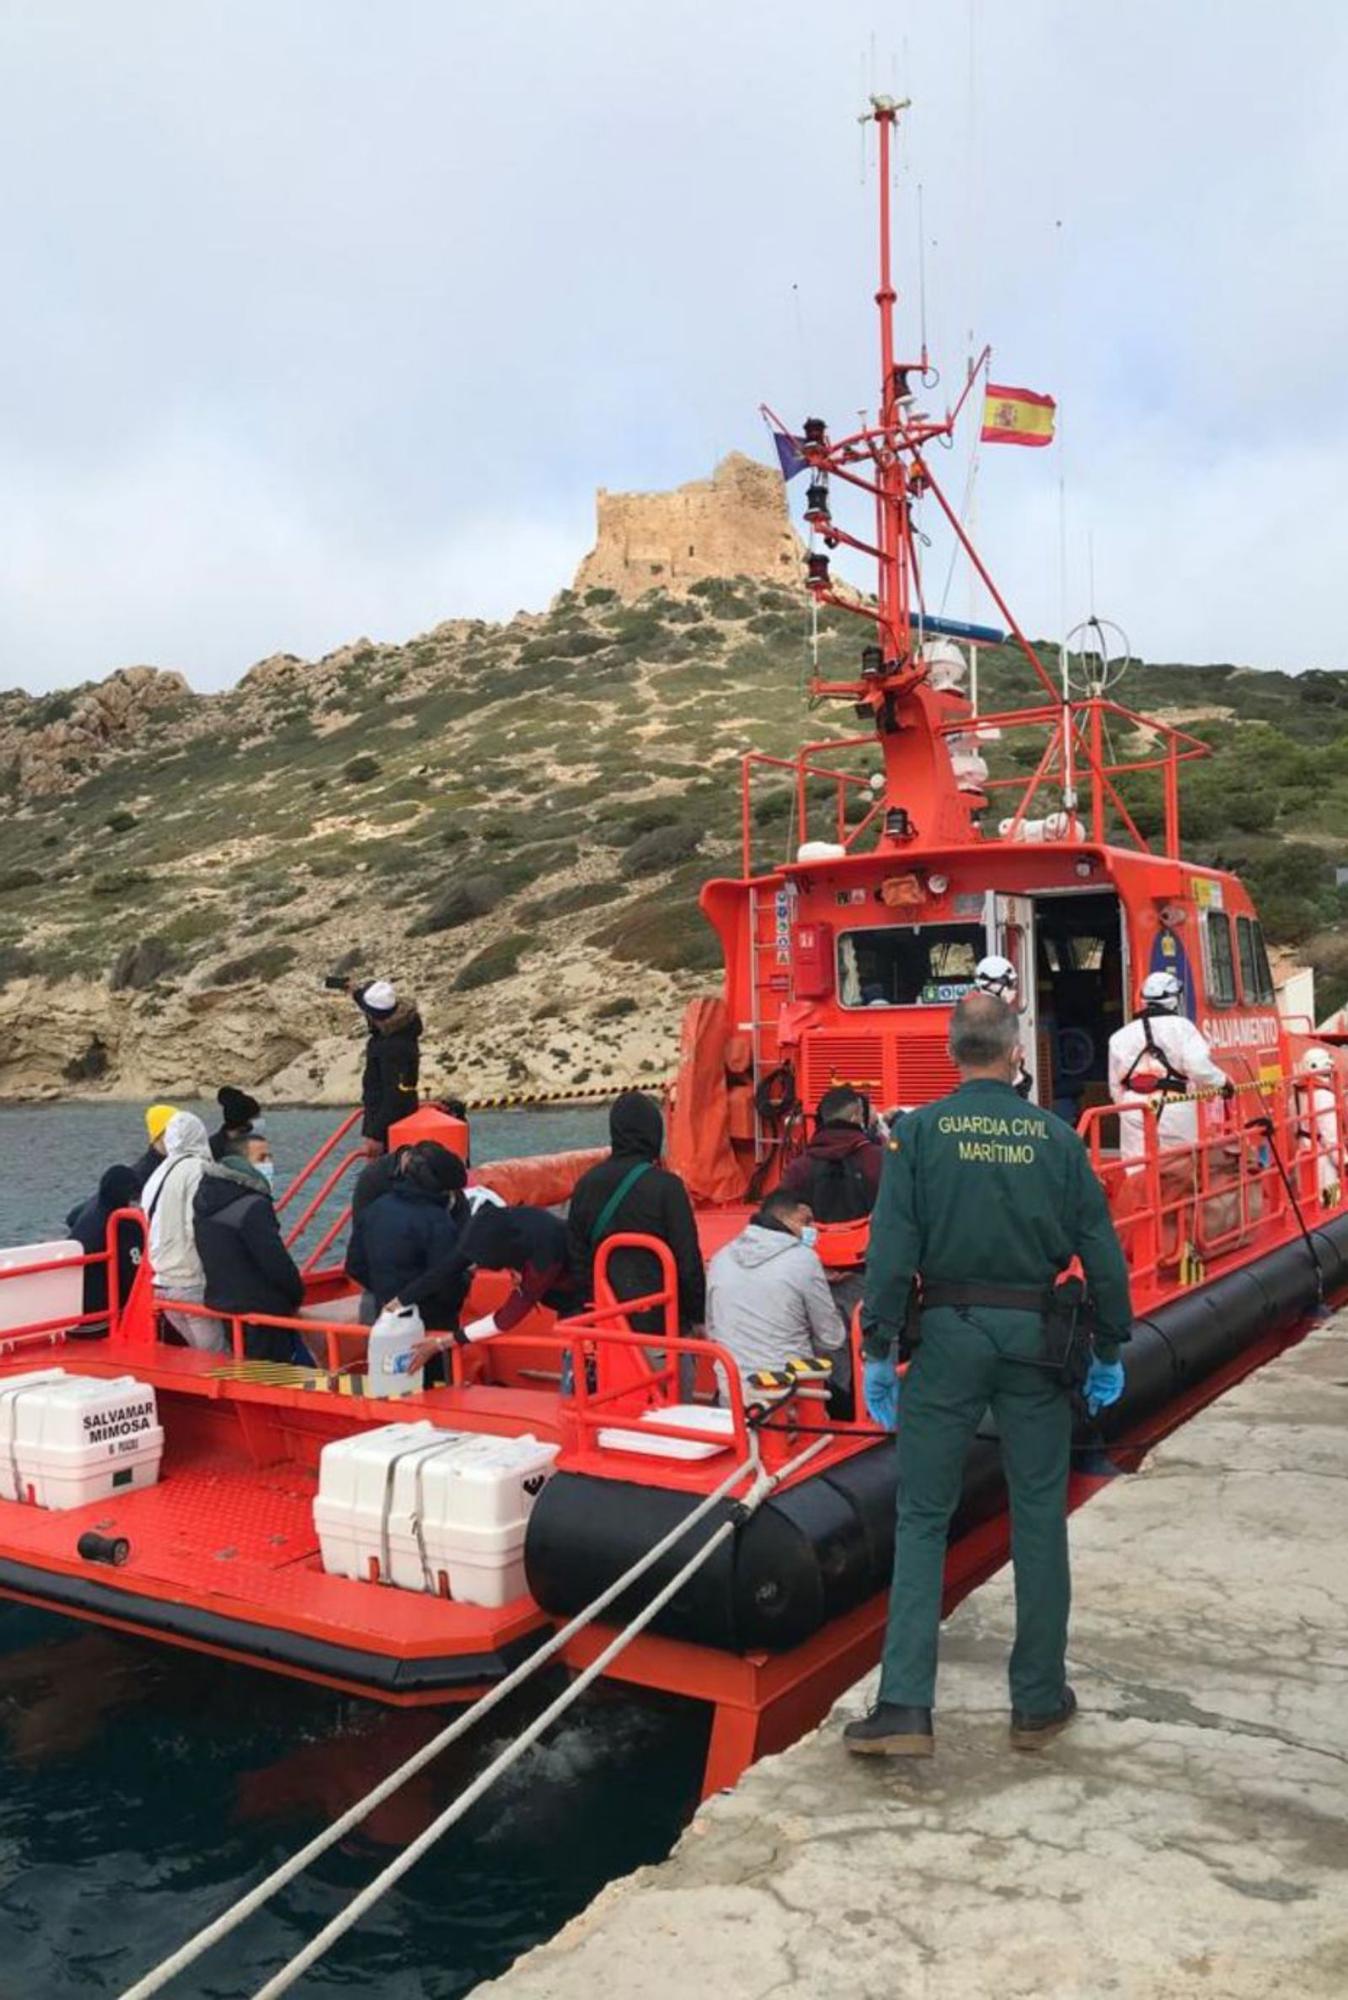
(1161, 1056)
(167, 1201)
(1318, 1110)
(999, 977)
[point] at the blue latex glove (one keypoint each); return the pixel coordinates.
(880, 1388)
(1104, 1385)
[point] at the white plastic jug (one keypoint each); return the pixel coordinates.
(392, 1339)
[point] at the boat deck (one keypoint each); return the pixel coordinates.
(223, 1550)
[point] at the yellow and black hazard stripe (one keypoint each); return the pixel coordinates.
(1192, 1269)
(519, 1100)
(289, 1375)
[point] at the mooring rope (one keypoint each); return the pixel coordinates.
(187, 1954)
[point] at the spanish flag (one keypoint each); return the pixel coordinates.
(1016, 416)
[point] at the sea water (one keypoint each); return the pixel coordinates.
(143, 1789)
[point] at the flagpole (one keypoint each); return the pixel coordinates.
(1068, 762)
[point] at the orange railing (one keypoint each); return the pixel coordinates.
(804, 769)
(52, 1332)
(328, 1147)
(1269, 1162)
(1077, 756)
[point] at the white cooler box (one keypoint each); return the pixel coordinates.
(67, 1440)
(50, 1295)
(430, 1509)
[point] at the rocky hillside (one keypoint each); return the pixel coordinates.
(510, 820)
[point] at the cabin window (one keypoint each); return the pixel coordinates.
(1221, 963)
(909, 965)
(1256, 975)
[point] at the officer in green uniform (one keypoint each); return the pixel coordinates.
(986, 1200)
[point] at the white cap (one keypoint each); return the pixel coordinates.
(995, 975)
(379, 997)
(1162, 989)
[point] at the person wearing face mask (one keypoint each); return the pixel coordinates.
(243, 1255)
(768, 1298)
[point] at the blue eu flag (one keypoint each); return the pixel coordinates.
(789, 454)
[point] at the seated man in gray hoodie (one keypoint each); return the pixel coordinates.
(768, 1299)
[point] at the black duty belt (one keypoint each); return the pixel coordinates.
(1007, 1298)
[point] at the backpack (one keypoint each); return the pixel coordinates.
(839, 1189)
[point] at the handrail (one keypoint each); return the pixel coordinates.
(283, 1201)
(51, 1331)
(1211, 1197)
(343, 1166)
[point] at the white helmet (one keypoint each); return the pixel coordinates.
(995, 975)
(1318, 1060)
(1162, 993)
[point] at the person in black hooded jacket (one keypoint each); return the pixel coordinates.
(388, 1084)
(87, 1222)
(402, 1237)
(248, 1268)
(630, 1193)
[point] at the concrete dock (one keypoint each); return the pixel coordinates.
(1188, 1837)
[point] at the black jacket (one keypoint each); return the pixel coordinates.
(375, 1179)
(146, 1165)
(388, 1084)
(248, 1268)
(396, 1241)
(656, 1205)
(530, 1241)
(838, 1173)
(87, 1222)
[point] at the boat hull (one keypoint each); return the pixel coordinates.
(820, 1549)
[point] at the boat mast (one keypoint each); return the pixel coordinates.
(895, 536)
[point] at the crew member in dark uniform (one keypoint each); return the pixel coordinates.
(985, 1202)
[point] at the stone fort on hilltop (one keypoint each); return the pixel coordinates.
(734, 524)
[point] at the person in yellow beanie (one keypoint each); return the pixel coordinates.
(156, 1125)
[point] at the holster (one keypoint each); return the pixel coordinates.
(911, 1337)
(1067, 1334)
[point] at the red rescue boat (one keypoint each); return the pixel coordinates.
(842, 961)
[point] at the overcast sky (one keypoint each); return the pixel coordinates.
(324, 319)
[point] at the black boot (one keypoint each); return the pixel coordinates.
(891, 1730)
(1031, 1732)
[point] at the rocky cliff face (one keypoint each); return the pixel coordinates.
(734, 524)
(53, 744)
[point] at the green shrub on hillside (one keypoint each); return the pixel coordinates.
(670, 935)
(662, 848)
(119, 881)
(567, 902)
(361, 769)
(15, 963)
(267, 962)
(496, 961)
(463, 901)
(725, 597)
(18, 878)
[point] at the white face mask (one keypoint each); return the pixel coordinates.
(809, 1235)
(267, 1169)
